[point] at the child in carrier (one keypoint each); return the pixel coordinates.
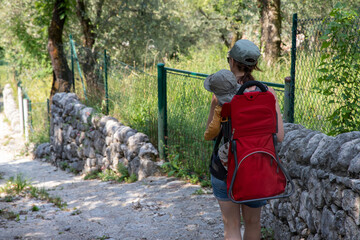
(224, 85)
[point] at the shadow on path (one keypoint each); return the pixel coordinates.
(154, 208)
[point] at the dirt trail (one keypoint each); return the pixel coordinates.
(155, 208)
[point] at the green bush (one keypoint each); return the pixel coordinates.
(340, 66)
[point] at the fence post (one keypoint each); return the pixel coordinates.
(162, 110)
(26, 118)
(72, 64)
(106, 83)
(21, 110)
(78, 65)
(30, 116)
(287, 104)
(292, 71)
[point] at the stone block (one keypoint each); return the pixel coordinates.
(354, 166)
(352, 230)
(327, 225)
(147, 168)
(351, 204)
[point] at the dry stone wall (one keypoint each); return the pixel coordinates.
(86, 141)
(10, 108)
(325, 170)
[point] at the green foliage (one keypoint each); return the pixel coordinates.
(307, 9)
(205, 183)
(63, 165)
(108, 175)
(199, 192)
(142, 32)
(131, 179)
(4, 76)
(91, 175)
(9, 215)
(15, 185)
(9, 198)
(124, 174)
(123, 171)
(103, 237)
(177, 167)
(25, 31)
(231, 19)
(121, 175)
(339, 68)
(35, 208)
(40, 136)
(2, 53)
(57, 201)
(20, 186)
(267, 234)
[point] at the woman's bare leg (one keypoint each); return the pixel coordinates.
(251, 218)
(232, 220)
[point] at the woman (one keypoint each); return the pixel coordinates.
(243, 58)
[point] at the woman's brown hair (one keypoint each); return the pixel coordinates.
(247, 72)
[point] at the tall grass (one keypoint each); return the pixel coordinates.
(133, 100)
(4, 76)
(36, 84)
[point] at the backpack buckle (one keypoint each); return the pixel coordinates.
(224, 119)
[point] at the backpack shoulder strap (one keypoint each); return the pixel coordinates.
(218, 140)
(258, 84)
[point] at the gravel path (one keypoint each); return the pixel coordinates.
(155, 208)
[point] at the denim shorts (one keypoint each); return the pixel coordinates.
(220, 193)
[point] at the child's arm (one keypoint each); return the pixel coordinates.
(214, 126)
(214, 103)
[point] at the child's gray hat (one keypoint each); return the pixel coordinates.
(223, 84)
(245, 51)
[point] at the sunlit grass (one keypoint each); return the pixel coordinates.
(36, 85)
(4, 76)
(20, 186)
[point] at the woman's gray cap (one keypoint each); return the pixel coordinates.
(245, 51)
(223, 84)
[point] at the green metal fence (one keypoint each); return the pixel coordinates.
(39, 121)
(87, 67)
(37, 114)
(115, 88)
(132, 97)
(311, 107)
(184, 106)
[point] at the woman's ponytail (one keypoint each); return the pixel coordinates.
(247, 72)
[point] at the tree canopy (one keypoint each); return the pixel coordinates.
(144, 31)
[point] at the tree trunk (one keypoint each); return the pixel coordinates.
(61, 71)
(88, 57)
(230, 38)
(270, 20)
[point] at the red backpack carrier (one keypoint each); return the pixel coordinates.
(254, 169)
